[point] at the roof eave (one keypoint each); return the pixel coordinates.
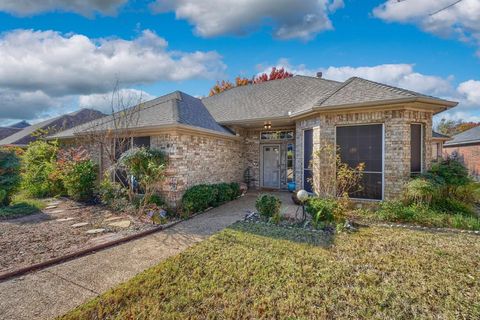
(455, 144)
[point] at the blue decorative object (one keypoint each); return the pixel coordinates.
(292, 186)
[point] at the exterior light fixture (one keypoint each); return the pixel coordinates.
(267, 125)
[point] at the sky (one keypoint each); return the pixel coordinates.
(58, 56)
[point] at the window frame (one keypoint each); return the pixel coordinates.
(383, 156)
(422, 150)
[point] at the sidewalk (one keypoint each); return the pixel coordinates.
(53, 291)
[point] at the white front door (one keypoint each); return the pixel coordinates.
(271, 166)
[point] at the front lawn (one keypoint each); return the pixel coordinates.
(258, 271)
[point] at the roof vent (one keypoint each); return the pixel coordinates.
(319, 74)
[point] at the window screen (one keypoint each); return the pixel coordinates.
(363, 144)
(307, 158)
(141, 142)
(416, 148)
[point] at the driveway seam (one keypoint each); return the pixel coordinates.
(72, 282)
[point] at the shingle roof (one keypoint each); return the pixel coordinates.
(357, 90)
(170, 109)
(271, 99)
(20, 125)
(7, 131)
(467, 137)
(439, 135)
(24, 136)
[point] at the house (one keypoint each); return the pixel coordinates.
(22, 135)
(438, 140)
(8, 131)
(466, 147)
(268, 132)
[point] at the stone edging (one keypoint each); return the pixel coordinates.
(42, 265)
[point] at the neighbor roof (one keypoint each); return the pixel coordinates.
(7, 131)
(176, 108)
(24, 136)
(436, 135)
(471, 136)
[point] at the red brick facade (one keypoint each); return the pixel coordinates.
(469, 154)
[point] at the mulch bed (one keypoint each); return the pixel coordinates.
(47, 235)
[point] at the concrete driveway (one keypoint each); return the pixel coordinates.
(55, 290)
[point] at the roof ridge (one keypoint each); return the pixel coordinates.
(344, 84)
(417, 94)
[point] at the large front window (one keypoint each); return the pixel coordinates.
(364, 144)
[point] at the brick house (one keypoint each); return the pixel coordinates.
(466, 147)
(438, 140)
(266, 133)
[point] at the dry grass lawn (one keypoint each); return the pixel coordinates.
(256, 271)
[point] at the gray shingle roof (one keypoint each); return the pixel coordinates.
(7, 131)
(357, 90)
(271, 99)
(439, 135)
(471, 136)
(24, 136)
(171, 109)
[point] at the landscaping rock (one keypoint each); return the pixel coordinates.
(50, 207)
(65, 219)
(80, 224)
(94, 231)
(57, 211)
(120, 224)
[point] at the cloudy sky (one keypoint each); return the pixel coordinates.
(57, 56)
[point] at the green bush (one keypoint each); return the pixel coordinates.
(322, 211)
(268, 206)
(110, 191)
(39, 164)
(79, 180)
(201, 197)
(198, 198)
(156, 200)
(9, 176)
(453, 206)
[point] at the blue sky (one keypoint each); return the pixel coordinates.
(56, 56)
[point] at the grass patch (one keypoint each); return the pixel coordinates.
(21, 206)
(249, 271)
(396, 211)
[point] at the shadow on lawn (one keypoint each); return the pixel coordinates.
(22, 212)
(294, 234)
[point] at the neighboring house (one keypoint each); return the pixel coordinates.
(466, 147)
(23, 136)
(438, 140)
(14, 128)
(268, 132)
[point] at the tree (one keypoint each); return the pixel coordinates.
(452, 127)
(275, 74)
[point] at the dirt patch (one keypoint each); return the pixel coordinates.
(61, 228)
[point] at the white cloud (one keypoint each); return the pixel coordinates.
(46, 72)
(74, 64)
(461, 20)
(471, 90)
(84, 7)
(288, 18)
(105, 102)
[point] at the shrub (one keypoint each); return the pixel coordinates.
(156, 200)
(148, 167)
(39, 164)
(110, 191)
(420, 191)
(454, 206)
(79, 180)
(268, 206)
(198, 198)
(9, 176)
(322, 211)
(236, 192)
(449, 175)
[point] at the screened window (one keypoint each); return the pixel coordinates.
(416, 137)
(307, 158)
(364, 144)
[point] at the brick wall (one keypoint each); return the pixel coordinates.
(397, 141)
(469, 155)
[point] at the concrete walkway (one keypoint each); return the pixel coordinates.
(53, 291)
